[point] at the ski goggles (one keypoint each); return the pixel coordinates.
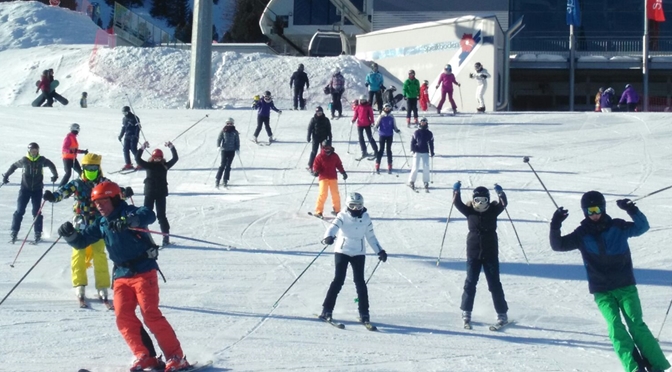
(481, 200)
(91, 167)
(355, 207)
(593, 210)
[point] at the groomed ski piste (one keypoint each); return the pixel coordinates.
(220, 300)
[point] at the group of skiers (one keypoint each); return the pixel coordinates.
(606, 98)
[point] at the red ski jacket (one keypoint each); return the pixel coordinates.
(363, 115)
(326, 165)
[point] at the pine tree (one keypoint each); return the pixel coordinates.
(245, 26)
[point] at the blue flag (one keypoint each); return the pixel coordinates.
(573, 13)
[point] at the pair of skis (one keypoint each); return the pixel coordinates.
(192, 368)
(331, 321)
(416, 189)
(83, 304)
(495, 327)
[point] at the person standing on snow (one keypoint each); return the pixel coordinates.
(319, 131)
(375, 81)
(229, 144)
(411, 92)
(264, 107)
(32, 183)
(156, 183)
(69, 152)
(603, 243)
(480, 75)
(347, 232)
(607, 100)
(298, 81)
(44, 88)
(630, 98)
(325, 166)
(364, 118)
(336, 87)
(422, 147)
(482, 249)
(424, 96)
(130, 133)
(447, 79)
(386, 126)
(135, 274)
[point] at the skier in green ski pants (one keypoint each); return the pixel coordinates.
(603, 243)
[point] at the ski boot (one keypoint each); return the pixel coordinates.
(38, 237)
(454, 112)
(411, 185)
(13, 237)
(426, 186)
(226, 183)
(364, 318)
(502, 319)
(326, 315)
(334, 213)
(176, 363)
(216, 184)
(270, 140)
(102, 294)
(377, 168)
(127, 167)
(166, 241)
(145, 362)
(389, 169)
(255, 140)
(466, 318)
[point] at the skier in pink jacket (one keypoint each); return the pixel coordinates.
(447, 79)
(364, 118)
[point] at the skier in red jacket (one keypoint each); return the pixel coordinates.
(325, 166)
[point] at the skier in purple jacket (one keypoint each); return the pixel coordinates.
(629, 97)
(447, 79)
(386, 126)
(264, 107)
(606, 100)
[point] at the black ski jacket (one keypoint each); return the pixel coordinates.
(32, 178)
(156, 183)
(298, 80)
(319, 128)
(482, 236)
(130, 126)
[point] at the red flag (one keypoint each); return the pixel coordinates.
(655, 10)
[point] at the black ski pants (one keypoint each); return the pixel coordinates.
(412, 106)
(379, 99)
(298, 98)
(160, 200)
(265, 121)
(130, 144)
(225, 166)
(336, 105)
(357, 263)
(491, 268)
(69, 165)
(25, 196)
(385, 145)
(362, 143)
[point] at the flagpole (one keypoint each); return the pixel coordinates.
(645, 58)
(572, 67)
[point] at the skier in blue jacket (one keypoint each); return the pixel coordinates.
(264, 107)
(374, 81)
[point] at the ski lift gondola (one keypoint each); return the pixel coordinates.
(328, 44)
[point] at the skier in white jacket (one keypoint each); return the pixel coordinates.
(480, 75)
(347, 232)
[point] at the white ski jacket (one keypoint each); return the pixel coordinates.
(350, 233)
(481, 77)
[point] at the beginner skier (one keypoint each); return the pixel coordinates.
(446, 81)
(422, 147)
(298, 81)
(325, 166)
(603, 243)
(135, 274)
(480, 74)
(69, 152)
(228, 143)
(348, 231)
(82, 101)
(424, 96)
(336, 87)
(130, 133)
(364, 118)
(375, 81)
(482, 248)
(264, 107)
(411, 93)
(319, 130)
(386, 126)
(156, 183)
(32, 183)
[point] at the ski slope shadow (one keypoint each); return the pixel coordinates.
(239, 250)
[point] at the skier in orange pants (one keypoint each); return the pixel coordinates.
(325, 166)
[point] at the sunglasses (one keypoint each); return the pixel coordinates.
(91, 167)
(355, 207)
(481, 200)
(593, 210)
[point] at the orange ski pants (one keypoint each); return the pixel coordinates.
(328, 186)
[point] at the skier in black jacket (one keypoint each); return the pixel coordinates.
(482, 248)
(31, 187)
(156, 183)
(130, 132)
(319, 130)
(228, 143)
(298, 81)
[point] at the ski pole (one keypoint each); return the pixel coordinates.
(526, 160)
(445, 230)
(514, 228)
(345, 183)
(180, 237)
(31, 269)
(51, 230)
(661, 326)
(404, 149)
(300, 156)
(249, 122)
(213, 165)
(350, 137)
(39, 213)
(136, 116)
(370, 276)
(277, 123)
(431, 170)
(242, 167)
(299, 277)
(186, 130)
(304, 198)
(652, 193)
(459, 88)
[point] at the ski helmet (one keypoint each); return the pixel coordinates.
(423, 122)
(426, 82)
(336, 71)
(74, 127)
(319, 109)
(411, 72)
(355, 201)
(478, 66)
(393, 88)
(387, 107)
(448, 68)
(84, 94)
(481, 199)
(157, 154)
(300, 66)
(593, 199)
(230, 121)
(627, 86)
(107, 189)
(125, 110)
(267, 93)
(374, 67)
(33, 146)
(45, 72)
(363, 99)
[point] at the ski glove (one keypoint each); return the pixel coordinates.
(397, 131)
(382, 255)
(498, 189)
(54, 179)
(152, 253)
(315, 174)
(366, 85)
(119, 138)
(49, 196)
(627, 205)
(329, 240)
(432, 154)
(345, 176)
(66, 230)
(559, 216)
(456, 186)
(85, 151)
(5, 179)
(124, 223)
(128, 192)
